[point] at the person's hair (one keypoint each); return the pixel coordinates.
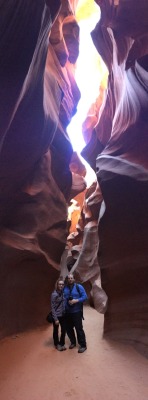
(66, 279)
(70, 273)
(57, 282)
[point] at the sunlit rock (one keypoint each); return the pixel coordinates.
(83, 252)
(76, 165)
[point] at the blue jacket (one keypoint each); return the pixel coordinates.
(74, 292)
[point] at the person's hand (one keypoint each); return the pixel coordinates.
(57, 322)
(73, 301)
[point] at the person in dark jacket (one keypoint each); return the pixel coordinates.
(75, 295)
(58, 313)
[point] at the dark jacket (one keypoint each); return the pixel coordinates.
(57, 304)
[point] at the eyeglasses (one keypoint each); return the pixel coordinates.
(61, 284)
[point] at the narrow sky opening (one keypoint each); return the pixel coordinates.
(89, 73)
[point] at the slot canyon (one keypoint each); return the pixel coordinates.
(51, 219)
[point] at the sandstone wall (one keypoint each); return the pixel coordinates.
(119, 144)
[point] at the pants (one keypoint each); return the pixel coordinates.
(59, 337)
(74, 320)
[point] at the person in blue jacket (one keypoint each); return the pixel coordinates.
(75, 295)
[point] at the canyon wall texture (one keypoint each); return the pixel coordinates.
(38, 97)
(40, 173)
(119, 144)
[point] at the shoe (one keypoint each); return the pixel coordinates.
(63, 347)
(60, 348)
(82, 349)
(72, 345)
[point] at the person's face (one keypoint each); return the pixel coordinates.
(60, 285)
(70, 279)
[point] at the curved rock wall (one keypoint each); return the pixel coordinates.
(39, 45)
(38, 96)
(121, 143)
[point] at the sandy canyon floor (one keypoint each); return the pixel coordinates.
(31, 369)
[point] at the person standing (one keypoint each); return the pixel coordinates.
(58, 314)
(75, 296)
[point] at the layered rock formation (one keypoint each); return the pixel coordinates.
(38, 97)
(83, 247)
(39, 173)
(120, 140)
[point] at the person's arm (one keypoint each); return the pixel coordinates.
(82, 296)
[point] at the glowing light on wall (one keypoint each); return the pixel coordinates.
(90, 72)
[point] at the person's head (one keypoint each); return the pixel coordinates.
(59, 285)
(70, 279)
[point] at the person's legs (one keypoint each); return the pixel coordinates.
(55, 334)
(77, 319)
(63, 330)
(70, 329)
